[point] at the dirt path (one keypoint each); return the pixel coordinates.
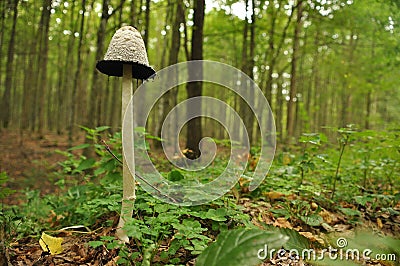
(31, 161)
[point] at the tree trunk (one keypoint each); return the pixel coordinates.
(5, 108)
(273, 55)
(368, 109)
(158, 110)
(3, 6)
(345, 96)
(194, 89)
(63, 99)
(147, 19)
(76, 76)
(313, 101)
(370, 89)
(251, 64)
(168, 100)
(97, 80)
(244, 109)
(44, 26)
(133, 13)
(290, 122)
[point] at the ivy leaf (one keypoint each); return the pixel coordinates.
(102, 128)
(296, 240)
(240, 247)
(86, 164)
(79, 147)
(350, 212)
(217, 215)
(312, 220)
(96, 244)
(175, 176)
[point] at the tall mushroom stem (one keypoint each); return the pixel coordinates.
(128, 197)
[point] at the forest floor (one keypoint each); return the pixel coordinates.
(30, 160)
(31, 163)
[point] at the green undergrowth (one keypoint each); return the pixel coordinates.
(356, 177)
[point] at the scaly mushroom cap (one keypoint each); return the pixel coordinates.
(126, 47)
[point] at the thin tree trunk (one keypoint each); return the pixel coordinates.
(293, 77)
(345, 96)
(313, 102)
(76, 84)
(159, 110)
(271, 55)
(3, 6)
(5, 108)
(16, 94)
(168, 100)
(251, 64)
(369, 91)
(64, 99)
(244, 109)
(147, 20)
(133, 13)
(94, 99)
(44, 26)
(279, 112)
(194, 89)
(274, 53)
(29, 90)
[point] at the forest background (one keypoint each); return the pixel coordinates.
(329, 69)
(319, 63)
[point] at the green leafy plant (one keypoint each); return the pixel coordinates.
(240, 247)
(4, 191)
(345, 135)
(311, 144)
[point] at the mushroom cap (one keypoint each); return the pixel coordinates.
(126, 47)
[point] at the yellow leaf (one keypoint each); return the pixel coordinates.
(273, 195)
(282, 223)
(286, 159)
(379, 222)
(51, 244)
(312, 237)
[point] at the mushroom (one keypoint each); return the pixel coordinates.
(126, 57)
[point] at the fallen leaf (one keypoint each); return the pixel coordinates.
(341, 227)
(314, 206)
(286, 159)
(51, 244)
(273, 195)
(379, 223)
(283, 223)
(326, 216)
(312, 237)
(327, 227)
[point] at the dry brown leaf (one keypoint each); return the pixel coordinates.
(308, 235)
(312, 237)
(283, 223)
(314, 206)
(327, 216)
(379, 223)
(112, 262)
(341, 227)
(273, 195)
